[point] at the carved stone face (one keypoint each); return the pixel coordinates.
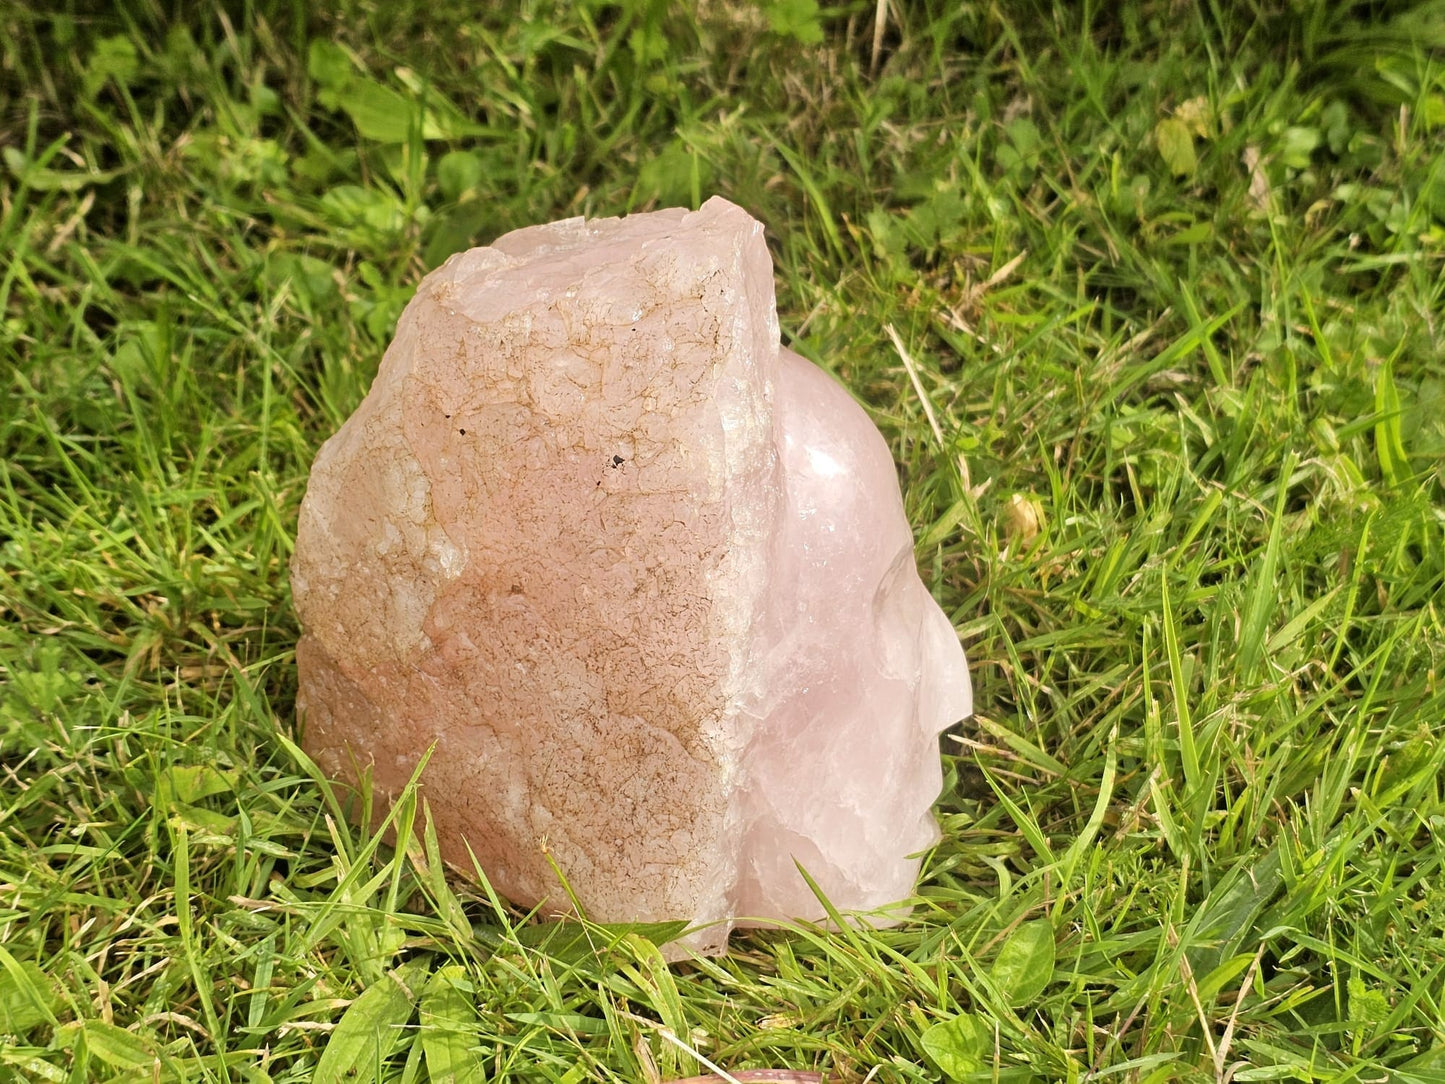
(862, 670)
(641, 580)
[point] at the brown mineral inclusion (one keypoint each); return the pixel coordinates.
(639, 575)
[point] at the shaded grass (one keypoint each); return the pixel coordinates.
(1196, 556)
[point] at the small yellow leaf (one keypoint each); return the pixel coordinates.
(1196, 115)
(1022, 519)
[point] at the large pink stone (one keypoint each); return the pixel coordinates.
(641, 577)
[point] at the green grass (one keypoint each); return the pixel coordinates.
(1170, 276)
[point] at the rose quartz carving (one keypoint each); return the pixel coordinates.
(641, 576)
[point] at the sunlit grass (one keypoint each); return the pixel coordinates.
(1170, 279)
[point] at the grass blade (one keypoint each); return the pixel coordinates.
(1263, 600)
(372, 1027)
(448, 1033)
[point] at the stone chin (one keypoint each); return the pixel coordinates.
(642, 580)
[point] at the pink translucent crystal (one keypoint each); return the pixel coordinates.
(642, 577)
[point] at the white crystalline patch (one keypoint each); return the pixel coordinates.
(390, 539)
(641, 579)
(450, 559)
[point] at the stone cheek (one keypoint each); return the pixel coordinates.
(552, 543)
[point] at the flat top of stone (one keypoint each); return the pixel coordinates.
(554, 257)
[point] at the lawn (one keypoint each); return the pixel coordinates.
(1167, 394)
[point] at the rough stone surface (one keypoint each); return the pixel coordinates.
(641, 577)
